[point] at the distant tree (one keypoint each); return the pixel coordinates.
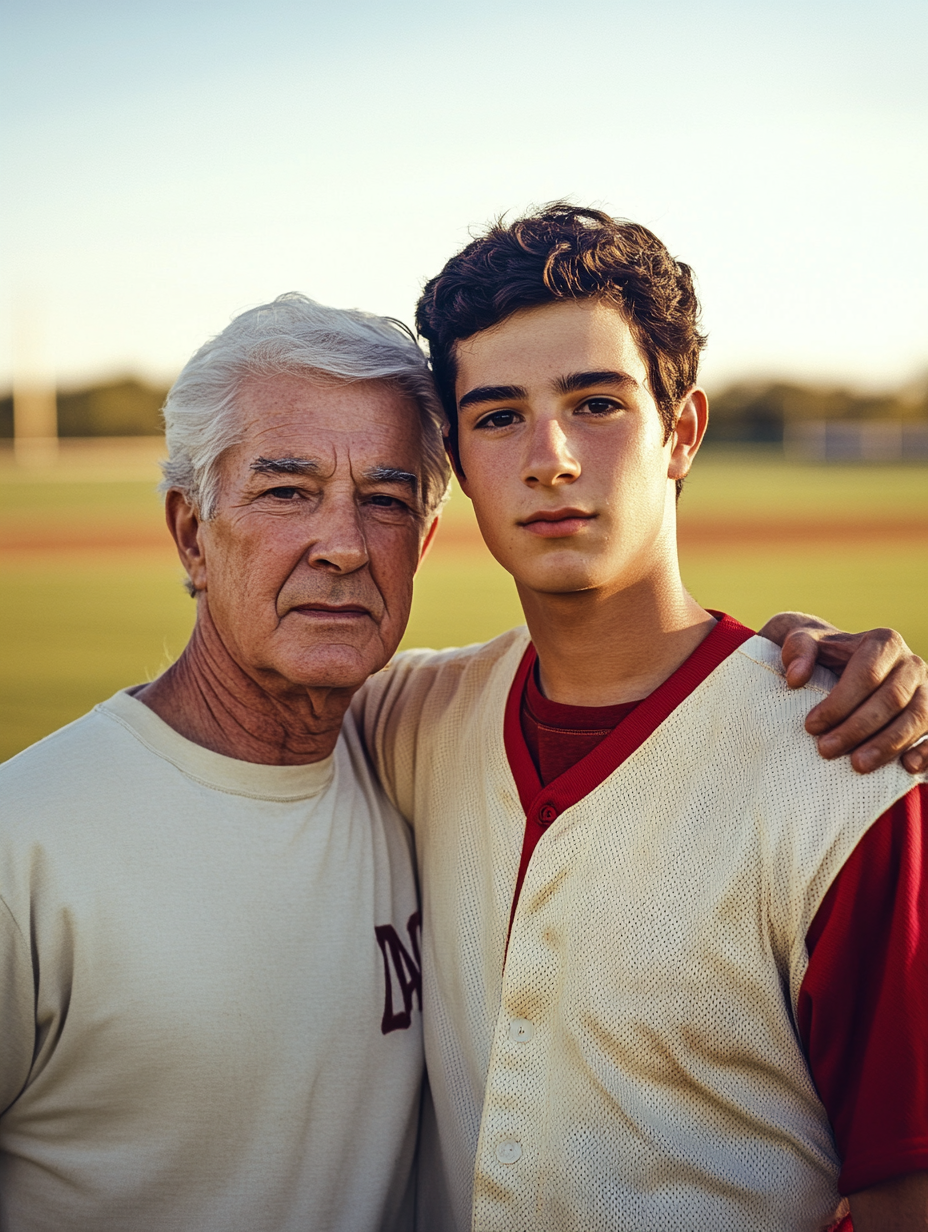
(757, 411)
(119, 408)
(126, 407)
(746, 412)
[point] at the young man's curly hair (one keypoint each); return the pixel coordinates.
(564, 252)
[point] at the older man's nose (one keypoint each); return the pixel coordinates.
(340, 545)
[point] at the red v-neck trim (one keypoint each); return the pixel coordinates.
(543, 804)
(631, 733)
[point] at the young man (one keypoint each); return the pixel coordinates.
(673, 969)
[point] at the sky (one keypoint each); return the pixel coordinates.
(169, 165)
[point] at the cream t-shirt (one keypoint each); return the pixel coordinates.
(210, 1010)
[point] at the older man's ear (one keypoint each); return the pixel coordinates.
(428, 540)
(184, 524)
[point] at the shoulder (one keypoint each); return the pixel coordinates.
(78, 769)
(64, 759)
(760, 659)
(436, 679)
(749, 695)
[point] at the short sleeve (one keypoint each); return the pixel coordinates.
(863, 1003)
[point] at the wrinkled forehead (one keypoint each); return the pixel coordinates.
(308, 415)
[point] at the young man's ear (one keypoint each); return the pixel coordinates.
(184, 524)
(688, 432)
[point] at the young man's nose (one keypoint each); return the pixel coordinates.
(549, 459)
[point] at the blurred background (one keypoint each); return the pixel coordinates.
(168, 166)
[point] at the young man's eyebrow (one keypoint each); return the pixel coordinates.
(576, 382)
(285, 466)
(492, 393)
(392, 474)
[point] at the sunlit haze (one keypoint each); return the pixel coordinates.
(169, 165)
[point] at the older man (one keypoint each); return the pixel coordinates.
(210, 953)
(211, 1007)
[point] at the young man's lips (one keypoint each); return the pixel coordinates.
(556, 523)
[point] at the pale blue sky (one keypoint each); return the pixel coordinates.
(169, 165)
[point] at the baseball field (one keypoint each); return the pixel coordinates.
(91, 599)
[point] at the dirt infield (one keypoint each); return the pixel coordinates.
(718, 534)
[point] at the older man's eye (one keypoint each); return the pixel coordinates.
(381, 501)
(284, 493)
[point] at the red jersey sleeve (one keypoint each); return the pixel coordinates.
(863, 1004)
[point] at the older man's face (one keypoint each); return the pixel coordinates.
(309, 560)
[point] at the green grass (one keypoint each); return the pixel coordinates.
(75, 628)
(747, 484)
(739, 483)
(854, 588)
(44, 505)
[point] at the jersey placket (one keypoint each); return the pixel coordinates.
(508, 1176)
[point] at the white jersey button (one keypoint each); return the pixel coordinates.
(509, 1152)
(521, 1030)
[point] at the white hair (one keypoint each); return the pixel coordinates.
(293, 334)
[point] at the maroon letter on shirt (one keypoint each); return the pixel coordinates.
(406, 967)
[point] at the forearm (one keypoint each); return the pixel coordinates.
(897, 1205)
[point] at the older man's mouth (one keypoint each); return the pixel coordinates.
(331, 611)
(557, 523)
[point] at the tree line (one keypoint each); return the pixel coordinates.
(745, 412)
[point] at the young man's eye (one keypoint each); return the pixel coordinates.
(498, 419)
(599, 406)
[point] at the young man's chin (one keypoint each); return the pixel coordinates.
(560, 579)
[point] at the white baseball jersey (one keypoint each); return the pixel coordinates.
(632, 1062)
(209, 988)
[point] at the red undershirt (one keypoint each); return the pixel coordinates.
(863, 1004)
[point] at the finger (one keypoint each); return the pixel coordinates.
(799, 654)
(779, 627)
(892, 742)
(896, 700)
(876, 663)
(915, 760)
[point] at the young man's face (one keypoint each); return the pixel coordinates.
(563, 452)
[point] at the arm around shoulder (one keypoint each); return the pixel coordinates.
(388, 711)
(17, 1009)
(878, 710)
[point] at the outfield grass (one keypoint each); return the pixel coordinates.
(76, 626)
(733, 483)
(741, 483)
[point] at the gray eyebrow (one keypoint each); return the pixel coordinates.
(392, 474)
(285, 466)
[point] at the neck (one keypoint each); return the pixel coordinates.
(211, 700)
(600, 647)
